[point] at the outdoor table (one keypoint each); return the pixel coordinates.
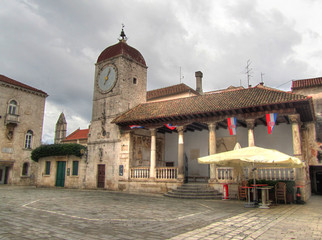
(255, 193)
(225, 191)
(265, 193)
(249, 204)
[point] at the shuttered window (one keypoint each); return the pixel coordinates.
(75, 168)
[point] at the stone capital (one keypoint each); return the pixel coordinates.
(294, 118)
(153, 131)
(181, 128)
(212, 126)
(250, 123)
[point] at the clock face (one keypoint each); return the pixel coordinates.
(107, 78)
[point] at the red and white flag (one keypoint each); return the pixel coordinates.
(232, 125)
(271, 119)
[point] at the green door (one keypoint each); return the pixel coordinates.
(60, 174)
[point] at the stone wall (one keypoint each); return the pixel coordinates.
(49, 180)
(29, 114)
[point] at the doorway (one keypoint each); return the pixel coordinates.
(4, 172)
(101, 175)
(60, 174)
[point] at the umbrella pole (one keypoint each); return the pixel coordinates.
(254, 176)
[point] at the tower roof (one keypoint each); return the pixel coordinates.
(122, 49)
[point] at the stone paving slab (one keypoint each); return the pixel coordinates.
(58, 213)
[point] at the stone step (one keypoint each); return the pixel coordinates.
(194, 191)
(184, 196)
(180, 190)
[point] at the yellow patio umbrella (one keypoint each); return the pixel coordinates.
(252, 156)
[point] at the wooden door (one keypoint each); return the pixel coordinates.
(60, 174)
(101, 175)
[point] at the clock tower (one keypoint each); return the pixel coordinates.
(119, 84)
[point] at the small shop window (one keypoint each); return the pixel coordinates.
(47, 168)
(75, 168)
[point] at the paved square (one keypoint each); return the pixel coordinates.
(54, 213)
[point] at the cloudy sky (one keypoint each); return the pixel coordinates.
(53, 45)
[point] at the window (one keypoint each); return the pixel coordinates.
(28, 139)
(25, 168)
(134, 80)
(12, 107)
(75, 168)
(47, 168)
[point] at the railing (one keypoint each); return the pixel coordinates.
(140, 172)
(166, 172)
(276, 174)
(261, 173)
(12, 118)
(225, 173)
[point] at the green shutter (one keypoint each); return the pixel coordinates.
(47, 171)
(75, 168)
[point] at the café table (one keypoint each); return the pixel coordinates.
(265, 196)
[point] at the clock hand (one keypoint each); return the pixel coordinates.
(106, 77)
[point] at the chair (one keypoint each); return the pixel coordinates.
(242, 192)
(280, 192)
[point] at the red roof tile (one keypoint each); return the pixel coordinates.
(306, 83)
(19, 84)
(77, 135)
(209, 103)
(121, 48)
(168, 91)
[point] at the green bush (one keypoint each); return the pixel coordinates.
(58, 150)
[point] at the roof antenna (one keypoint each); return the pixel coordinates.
(181, 77)
(122, 37)
(248, 72)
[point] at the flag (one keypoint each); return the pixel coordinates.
(232, 125)
(135, 126)
(170, 126)
(270, 119)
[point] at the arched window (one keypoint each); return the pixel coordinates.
(28, 139)
(25, 168)
(12, 108)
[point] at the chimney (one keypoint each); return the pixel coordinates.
(199, 82)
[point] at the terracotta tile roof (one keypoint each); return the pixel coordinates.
(168, 91)
(77, 135)
(124, 49)
(19, 84)
(307, 83)
(209, 103)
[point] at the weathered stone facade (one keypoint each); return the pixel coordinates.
(21, 113)
(107, 145)
(72, 178)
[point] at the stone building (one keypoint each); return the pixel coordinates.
(21, 115)
(313, 87)
(132, 147)
(150, 141)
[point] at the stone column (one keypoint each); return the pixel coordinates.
(250, 125)
(153, 152)
(297, 148)
(180, 153)
(212, 149)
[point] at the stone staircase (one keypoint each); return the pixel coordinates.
(194, 191)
